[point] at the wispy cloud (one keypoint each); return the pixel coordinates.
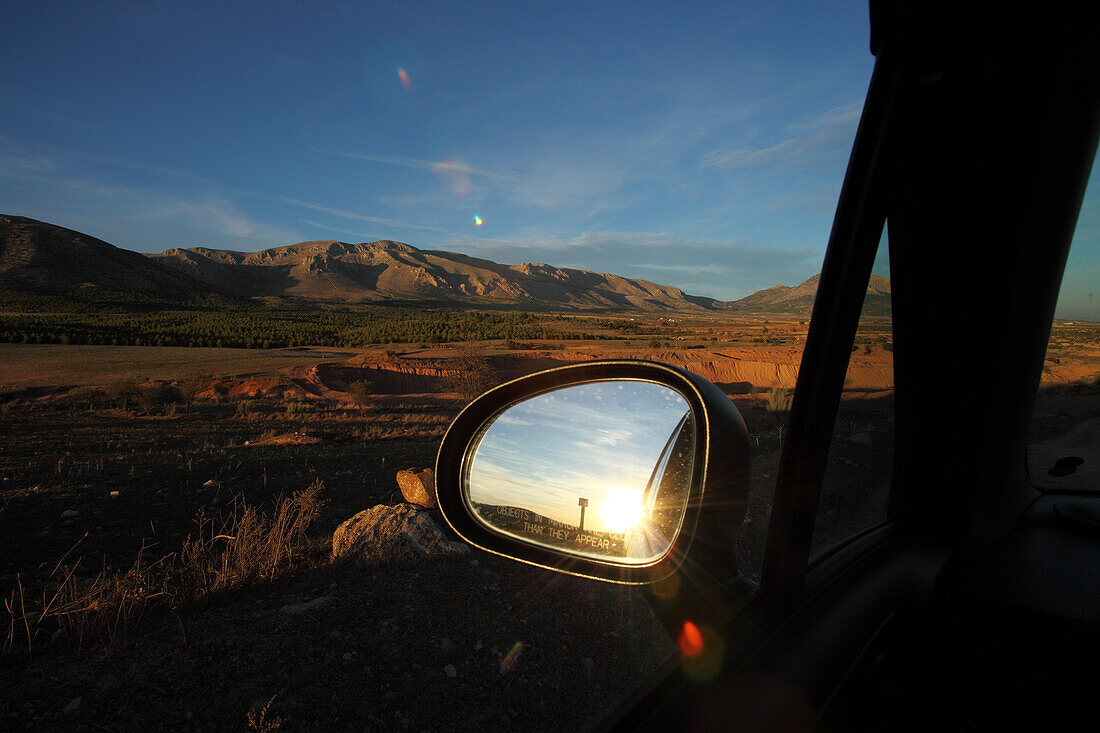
(16, 158)
(210, 213)
(719, 268)
(338, 212)
(807, 145)
(358, 236)
(420, 164)
(47, 165)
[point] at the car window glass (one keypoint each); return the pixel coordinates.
(855, 489)
(1064, 436)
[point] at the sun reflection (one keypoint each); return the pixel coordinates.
(620, 509)
(404, 77)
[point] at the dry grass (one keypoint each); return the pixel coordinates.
(259, 721)
(248, 545)
(243, 546)
(28, 365)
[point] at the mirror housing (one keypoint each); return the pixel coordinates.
(717, 489)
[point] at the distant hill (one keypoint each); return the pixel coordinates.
(41, 258)
(799, 300)
(386, 270)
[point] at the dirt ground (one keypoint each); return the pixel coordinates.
(379, 657)
(466, 643)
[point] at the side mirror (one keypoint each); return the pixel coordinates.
(607, 470)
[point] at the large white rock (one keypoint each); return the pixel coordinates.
(392, 534)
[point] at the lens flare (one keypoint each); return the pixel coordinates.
(690, 640)
(404, 77)
(511, 657)
(456, 174)
(478, 221)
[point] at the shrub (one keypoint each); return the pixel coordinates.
(361, 391)
(221, 390)
(189, 388)
(778, 404)
(472, 374)
(245, 546)
(81, 397)
(155, 397)
(124, 391)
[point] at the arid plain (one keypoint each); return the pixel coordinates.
(167, 511)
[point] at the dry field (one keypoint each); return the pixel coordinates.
(105, 475)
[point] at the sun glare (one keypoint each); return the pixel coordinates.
(620, 509)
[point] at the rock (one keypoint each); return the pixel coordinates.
(297, 609)
(73, 705)
(70, 514)
(861, 439)
(418, 487)
(392, 534)
(450, 671)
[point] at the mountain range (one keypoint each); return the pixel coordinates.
(41, 258)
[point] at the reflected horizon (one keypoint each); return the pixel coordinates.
(583, 467)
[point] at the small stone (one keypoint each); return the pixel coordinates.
(418, 487)
(73, 705)
(861, 439)
(70, 514)
(447, 647)
(449, 670)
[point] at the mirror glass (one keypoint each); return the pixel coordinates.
(601, 469)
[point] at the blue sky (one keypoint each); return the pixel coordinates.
(593, 440)
(700, 145)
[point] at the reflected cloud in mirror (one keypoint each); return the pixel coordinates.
(602, 470)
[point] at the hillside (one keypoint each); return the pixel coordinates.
(385, 270)
(41, 258)
(799, 300)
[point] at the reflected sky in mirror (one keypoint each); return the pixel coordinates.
(596, 444)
